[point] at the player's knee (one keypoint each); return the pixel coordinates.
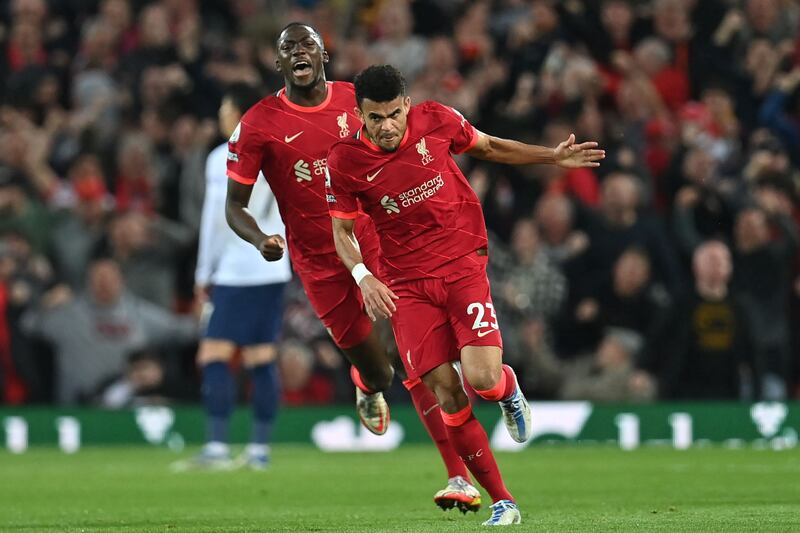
(259, 354)
(451, 399)
(483, 378)
(213, 351)
(448, 391)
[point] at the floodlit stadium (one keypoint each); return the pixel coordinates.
(399, 265)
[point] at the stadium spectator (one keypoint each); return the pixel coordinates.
(143, 382)
(397, 44)
(22, 212)
(93, 332)
(620, 224)
(608, 374)
(765, 241)
(81, 223)
(145, 249)
(24, 276)
(302, 385)
(527, 286)
(628, 299)
(561, 241)
(710, 346)
(781, 109)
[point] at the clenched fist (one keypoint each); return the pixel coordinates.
(271, 247)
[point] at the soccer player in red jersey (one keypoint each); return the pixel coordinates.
(399, 169)
(287, 137)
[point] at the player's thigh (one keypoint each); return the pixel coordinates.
(482, 366)
(263, 319)
(247, 315)
(337, 302)
(424, 337)
(475, 326)
(259, 354)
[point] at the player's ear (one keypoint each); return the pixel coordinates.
(360, 114)
(278, 65)
(407, 103)
(325, 56)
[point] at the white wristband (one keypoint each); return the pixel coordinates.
(359, 272)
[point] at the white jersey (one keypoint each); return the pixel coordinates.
(223, 258)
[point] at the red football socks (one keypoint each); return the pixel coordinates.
(427, 407)
(356, 377)
(470, 441)
(503, 389)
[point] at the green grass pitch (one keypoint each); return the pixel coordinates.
(558, 488)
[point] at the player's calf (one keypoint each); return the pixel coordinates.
(374, 372)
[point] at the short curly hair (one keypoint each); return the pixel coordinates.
(379, 83)
(313, 30)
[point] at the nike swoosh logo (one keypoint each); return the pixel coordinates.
(484, 333)
(429, 409)
(373, 176)
(288, 139)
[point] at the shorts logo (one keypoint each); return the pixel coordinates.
(422, 150)
(344, 129)
(411, 365)
(301, 171)
(390, 204)
(480, 325)
(232, 157)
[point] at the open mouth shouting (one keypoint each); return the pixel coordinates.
(302, 68)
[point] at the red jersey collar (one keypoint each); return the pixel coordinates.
(303, 109)
(362, 134)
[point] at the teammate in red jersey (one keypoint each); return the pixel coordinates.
(399, 169)
(287, 136)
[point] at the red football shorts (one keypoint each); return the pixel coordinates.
(336, 298)
(436, 317)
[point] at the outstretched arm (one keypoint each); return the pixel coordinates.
(378, 298)
(568, 154)
(242, 222)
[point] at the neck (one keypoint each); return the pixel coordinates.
(712, 291)
(623, 219)
(526, 257)
(310, 96)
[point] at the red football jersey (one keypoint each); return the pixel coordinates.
(427, 215)
(289, 144)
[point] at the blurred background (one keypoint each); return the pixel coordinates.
(670, 272)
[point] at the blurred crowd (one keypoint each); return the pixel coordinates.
(670, 272)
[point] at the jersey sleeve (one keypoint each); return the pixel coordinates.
(463, 135)
(245, 152)
(342, 201)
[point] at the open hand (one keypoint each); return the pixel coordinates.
(272, 247)
(378, 298)
(571, 155)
